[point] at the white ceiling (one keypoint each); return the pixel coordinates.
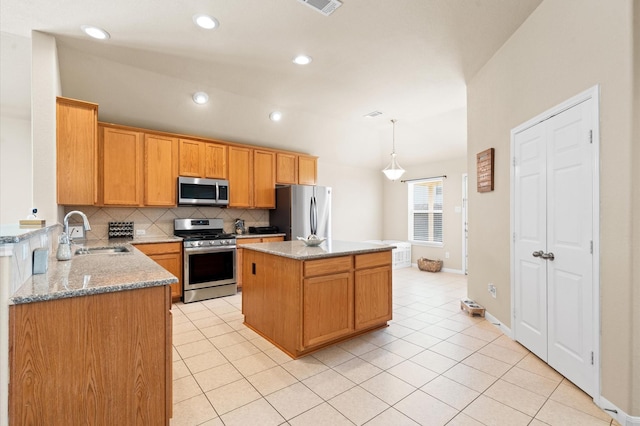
(406, 58)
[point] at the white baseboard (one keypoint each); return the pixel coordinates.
(498, 324)
(623, 418)
(453, 271)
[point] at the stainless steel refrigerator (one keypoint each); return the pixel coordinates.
(302, 210)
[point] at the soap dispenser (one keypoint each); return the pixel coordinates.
(64, 247)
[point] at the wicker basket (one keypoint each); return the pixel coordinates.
(429, 265)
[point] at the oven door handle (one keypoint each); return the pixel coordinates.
(212, 249)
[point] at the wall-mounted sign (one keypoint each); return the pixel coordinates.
(484, 162)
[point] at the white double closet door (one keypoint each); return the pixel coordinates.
(553, 242)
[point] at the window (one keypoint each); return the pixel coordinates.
(425, 211)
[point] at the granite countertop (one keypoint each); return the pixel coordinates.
(330, 248)
(12, 234)
(93, 274)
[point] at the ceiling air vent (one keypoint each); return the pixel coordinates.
(326, 7)
(373, 114)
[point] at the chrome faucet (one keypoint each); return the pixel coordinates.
(86, 225)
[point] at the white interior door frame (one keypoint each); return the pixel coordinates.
(594, 94)
(465, 220)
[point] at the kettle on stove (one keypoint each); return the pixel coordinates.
(239, 226)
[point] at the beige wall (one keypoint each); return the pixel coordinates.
(15, 169)
(356, 200)
(396, 218)
(45, 86)
(564, 48)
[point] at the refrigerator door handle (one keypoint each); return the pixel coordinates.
(313, 212)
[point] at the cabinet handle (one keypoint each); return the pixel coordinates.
(253, 268)
(537, 253)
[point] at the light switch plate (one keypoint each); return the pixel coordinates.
(76, 232)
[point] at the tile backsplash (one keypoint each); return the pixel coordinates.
(158, 222)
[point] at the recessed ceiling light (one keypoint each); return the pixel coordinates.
(275, 116)
(200, 98)
(205, 21)
(95, 32)
(302, 60)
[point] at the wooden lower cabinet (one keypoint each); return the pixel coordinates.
(327, 308)
(304, 305)
(240, 242)
(101, 359)
(169, 256)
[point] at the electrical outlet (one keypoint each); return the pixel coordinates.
(446, 254)
(141, 231)
(492, 290)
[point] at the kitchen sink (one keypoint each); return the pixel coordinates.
(102, 250)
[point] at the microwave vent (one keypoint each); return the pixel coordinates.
(326, 7)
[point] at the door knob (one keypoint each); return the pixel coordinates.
(538, 253)
(548, 256)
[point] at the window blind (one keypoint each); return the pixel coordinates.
(425, 210)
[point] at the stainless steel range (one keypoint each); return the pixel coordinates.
(209, 259)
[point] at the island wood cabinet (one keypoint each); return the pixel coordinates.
(137, 169)
(295, 169)
(304, 305)
(240, 242)
(102, 359)
(203, 159)
(169, 256)
(252, 179)
(76, 152)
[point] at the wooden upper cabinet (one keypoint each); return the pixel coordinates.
(264, 179)
(286, 168)
(191, 155)
(215, 161)
(76, 152)
(307, 170)
(160, 170)
(121, 153)
(240, 177)
(203, 159)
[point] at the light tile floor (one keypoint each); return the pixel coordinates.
(433, 365)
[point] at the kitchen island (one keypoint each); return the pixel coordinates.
(90, 342)
(303, 298)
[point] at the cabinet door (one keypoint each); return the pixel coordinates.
(240, 177)
(286, 168)
(173, 263)
(76, 152)
(215, 161)
(327, 308)
(169, 256)
(240, 255)
(191, 154)
(160, 170)
(307, 170)
(121, 167)
(264, 183)
(372, 297)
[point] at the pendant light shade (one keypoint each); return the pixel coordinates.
(393, 171)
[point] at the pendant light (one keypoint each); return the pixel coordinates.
(393, 171)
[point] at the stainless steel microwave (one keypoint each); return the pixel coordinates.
(202, 192)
